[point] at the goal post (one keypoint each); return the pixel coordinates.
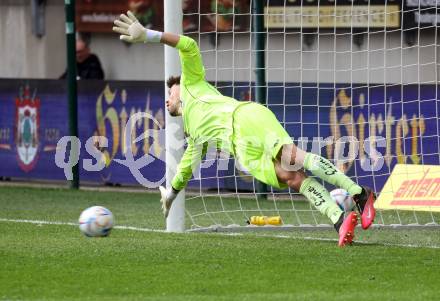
(173, 23)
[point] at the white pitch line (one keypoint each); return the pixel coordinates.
(139, 229)
(28, 221)
(39, 222)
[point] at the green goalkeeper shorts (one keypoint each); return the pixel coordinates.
(257, 139)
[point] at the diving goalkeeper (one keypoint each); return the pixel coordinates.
(247, 130)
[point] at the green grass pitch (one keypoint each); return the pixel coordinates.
(56, 262)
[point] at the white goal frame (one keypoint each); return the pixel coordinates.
(173, 15)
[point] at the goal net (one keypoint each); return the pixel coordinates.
(342, 77)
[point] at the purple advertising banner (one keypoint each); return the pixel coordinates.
(400, 121)
(34, 116)
(104, 109)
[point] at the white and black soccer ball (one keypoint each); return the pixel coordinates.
(343, 199)
(96, 221)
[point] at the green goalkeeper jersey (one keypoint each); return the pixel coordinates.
(207, 114)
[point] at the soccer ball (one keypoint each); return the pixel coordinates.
(96, 221)
(343, 199)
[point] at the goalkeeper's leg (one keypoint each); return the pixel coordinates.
(320, 199)
(292, 156)
(312, 190)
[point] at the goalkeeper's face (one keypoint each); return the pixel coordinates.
(174, 105)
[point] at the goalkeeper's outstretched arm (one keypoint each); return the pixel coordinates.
(132, 31)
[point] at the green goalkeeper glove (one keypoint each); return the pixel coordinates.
(133, 32)
(167, 198)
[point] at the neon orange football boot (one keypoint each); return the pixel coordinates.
(346, 229)
(365, 205)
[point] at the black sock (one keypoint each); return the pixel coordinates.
(339, 222)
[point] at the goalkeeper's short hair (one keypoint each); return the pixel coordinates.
(173, 80)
